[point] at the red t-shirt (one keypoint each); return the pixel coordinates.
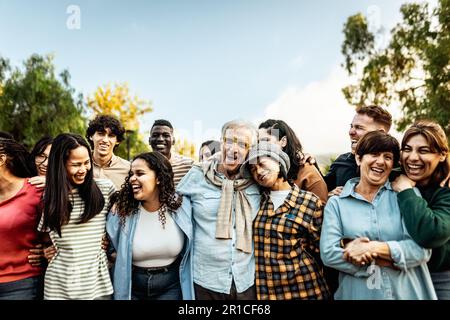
(19, 217)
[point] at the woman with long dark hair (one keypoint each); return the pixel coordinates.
(305, 176)
(75, 208)
(426, 163)
(19, 214)
(152, 242)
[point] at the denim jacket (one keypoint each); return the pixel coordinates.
(217, 262)
(122, 240)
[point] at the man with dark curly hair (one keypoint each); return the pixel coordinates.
(104, 134)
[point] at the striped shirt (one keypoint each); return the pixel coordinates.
(286, 241)
(180, 166)
(79, 269)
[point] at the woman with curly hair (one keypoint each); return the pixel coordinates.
(151, 241)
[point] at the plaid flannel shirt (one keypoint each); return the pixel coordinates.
(287, 248)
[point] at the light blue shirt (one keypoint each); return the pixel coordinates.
(122, 240)
(351, 216)
(216, 262)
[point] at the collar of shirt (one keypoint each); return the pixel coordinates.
(349, 188)
(289, 202)
(109, 163)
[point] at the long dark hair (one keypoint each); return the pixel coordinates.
(17, 158)
(293, 148)
(124, 202)
(57, 204)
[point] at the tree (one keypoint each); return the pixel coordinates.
(34, 102)
(413, 70)
(186, 148)
(117, 101)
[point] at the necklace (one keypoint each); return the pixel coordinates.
(162, 216)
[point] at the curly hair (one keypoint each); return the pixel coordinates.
(101, 122)
(18, 160)
(123, 200)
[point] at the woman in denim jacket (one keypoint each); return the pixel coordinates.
(151, 241)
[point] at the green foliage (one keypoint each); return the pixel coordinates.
(135, 143)
(326, 168)
(35, 102)
(413, 70)
(117, 100)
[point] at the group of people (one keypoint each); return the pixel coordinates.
(254, 219)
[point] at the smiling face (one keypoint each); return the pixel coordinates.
(41, 161)
(265, 172)
(77, 165)
(143, 181)
(418, 161)
(235, 147)
(360, 125)
(104, 143)
(161, 140)
(375, 167)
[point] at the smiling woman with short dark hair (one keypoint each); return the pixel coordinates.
(363, 234)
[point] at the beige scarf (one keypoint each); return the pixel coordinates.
(242, 206)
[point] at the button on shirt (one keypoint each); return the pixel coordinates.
(351, 216)
(216, 262)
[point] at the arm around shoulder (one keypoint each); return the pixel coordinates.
(427, 223)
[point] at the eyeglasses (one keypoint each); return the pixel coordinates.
(41, 158)
(241, 144)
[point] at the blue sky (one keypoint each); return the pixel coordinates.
(204, 62)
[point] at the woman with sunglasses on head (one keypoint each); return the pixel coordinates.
(425, 161)
(74, 219)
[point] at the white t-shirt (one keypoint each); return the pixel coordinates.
(278, 197)
(154, 246)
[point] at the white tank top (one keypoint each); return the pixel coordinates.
(154, 246)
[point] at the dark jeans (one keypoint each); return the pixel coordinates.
(206, 294)
(161, 284)
(25, 289)
(441, 282)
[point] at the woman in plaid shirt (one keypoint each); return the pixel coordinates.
(286, 231)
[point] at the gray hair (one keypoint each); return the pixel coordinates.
(235, 124)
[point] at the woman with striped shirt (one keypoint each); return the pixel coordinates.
(75, 207)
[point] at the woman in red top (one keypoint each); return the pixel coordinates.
(20, 207)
